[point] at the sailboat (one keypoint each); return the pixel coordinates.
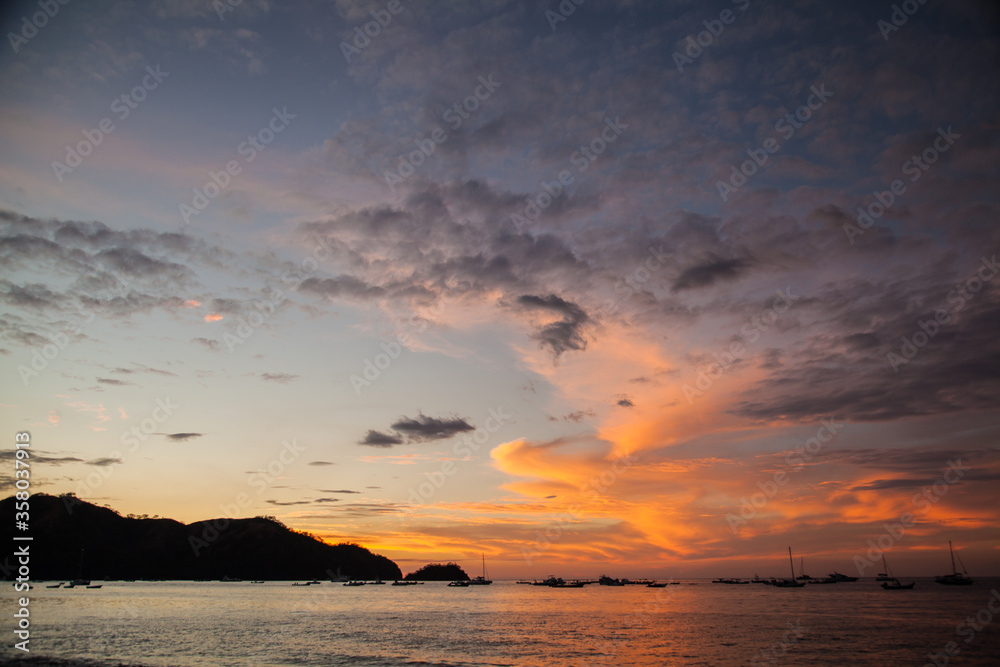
(956, 578)
(802, 570)
(79, 582)
(884, 576)
(789, 583)
(481, 580)
(892, 583)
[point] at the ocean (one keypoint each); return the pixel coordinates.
(693, 623)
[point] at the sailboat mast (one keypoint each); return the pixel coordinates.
(952, 550)
(791, 563)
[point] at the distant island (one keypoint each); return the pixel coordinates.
(68, 531)
(438, 572)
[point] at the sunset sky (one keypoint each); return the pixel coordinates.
(565, 284)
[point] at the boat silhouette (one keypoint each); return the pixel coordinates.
(956, 578)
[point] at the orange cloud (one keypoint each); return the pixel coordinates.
(213, 317)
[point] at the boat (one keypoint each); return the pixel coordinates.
(460, 583)
(802, 570)
(354, 583)
(59, 585)
(657, 584)
(406, 583)
(956, 578)
(605, 580)
(789, 583)
(569, 584)
(883, 576)
(757, 580)
(95, 586)
(837, 576)
(551, 581)
(896, 585)
(481, 580)
(259, 581)
(722, 580)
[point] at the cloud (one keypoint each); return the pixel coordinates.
(281, 378)
(38, 457)
(376, 439)
(293, 502)
(419, 429)
(208, 343)
(115, 382)
(563, 335)
(183, 437)
(424, 428)
(708, 273)
(104, 461)
(626, 403)
(340, 490)
(321, 463)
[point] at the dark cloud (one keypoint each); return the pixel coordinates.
(212, 345)
(321, 463)
(115, 382)
(424, 428)
(560, 336)
(104, 461)
(340, 287)
(285, 504)
(281, 378)
(576, 416)
(419, 429)
(626, 403)
(182, 437)
(39, 457)
(341, 490)
(376, 439)
(708, 273)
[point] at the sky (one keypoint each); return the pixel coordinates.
(646, 288)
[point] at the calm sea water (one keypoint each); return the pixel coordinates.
(184, 623)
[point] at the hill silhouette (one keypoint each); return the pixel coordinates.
(117, 547)
(438, 572)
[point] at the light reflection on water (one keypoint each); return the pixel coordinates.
(185, 623)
